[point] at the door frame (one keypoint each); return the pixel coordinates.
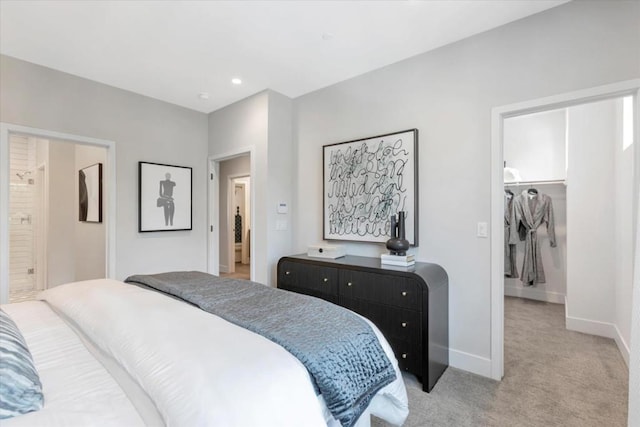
(42, 182)
(6, 130)
(213, 240)
(498, 114)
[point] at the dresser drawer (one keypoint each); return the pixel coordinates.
(311, 292)
(393, 322)
(315, 278)
(408, 354)
(381, 288)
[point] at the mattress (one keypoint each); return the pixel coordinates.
(113, 354)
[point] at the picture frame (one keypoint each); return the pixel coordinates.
(367, 180)
(165, 194)
(90, 193)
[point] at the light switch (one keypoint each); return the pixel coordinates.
(483, 229)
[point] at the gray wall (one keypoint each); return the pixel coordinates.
(143, 129)
(448, 95)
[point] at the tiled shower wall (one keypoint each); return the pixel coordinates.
(22, 213)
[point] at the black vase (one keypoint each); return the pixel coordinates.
(398, 244)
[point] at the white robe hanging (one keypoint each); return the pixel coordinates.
(530, 212)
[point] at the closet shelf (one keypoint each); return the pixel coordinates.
(543, 182)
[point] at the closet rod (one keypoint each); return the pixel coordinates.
(551, 181)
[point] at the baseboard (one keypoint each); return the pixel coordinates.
(470, 362)
(602, 329)
(622, 345)
(223, 268)
(592, 327)
(533, 293)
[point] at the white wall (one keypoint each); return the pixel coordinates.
(634, 362)
(590, 226)
(90, 237)
(280, 180)
(448, 95)
(623, 229)
(143, 129)
(229, 168)
(535, 145)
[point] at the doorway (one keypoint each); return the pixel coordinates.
(623, 89)
(231, 210)
(48, 261)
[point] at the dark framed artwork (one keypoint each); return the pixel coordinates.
(90, 193)
(365, 181)
(164, 197)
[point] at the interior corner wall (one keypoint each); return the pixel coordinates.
(591, 242)
(280, 180)
(143, 129)
(90, 237)
(448, 94)
(262, 123)
(624, 233)
(243, 127)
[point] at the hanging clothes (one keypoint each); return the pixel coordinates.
(510, 269)
(531, 210)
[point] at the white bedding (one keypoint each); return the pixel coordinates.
(78, 390)
(197, 368)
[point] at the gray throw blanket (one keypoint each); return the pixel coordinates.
(338, 348)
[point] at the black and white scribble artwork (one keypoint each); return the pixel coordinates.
(165, 197)
(365, 182)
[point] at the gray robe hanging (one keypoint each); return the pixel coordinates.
(510, 269)
(530, 212)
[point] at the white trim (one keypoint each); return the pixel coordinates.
(601, 329)
(623, 346)
(533, 293)
(213, 246)
(6, 129)
(470, 362)
(498, 114)
(592, 327)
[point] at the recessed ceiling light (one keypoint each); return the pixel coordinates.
(236, 81)
(203, 95)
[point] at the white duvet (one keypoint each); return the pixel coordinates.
(199, 369)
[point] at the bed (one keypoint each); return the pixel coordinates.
(110, 353)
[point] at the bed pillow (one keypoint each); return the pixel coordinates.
(20, 386)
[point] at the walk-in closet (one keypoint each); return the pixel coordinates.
(568, 227)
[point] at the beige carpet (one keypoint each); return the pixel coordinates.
(553, 377)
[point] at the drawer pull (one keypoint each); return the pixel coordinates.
(404, 355)
(349, 284)
(287, 273)
(325, 280)
(404, 324)
(404, 293)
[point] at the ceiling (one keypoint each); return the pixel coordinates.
(175, 50)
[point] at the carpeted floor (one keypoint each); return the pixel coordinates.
(553, 377)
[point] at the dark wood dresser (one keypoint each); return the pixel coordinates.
(410, 306)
